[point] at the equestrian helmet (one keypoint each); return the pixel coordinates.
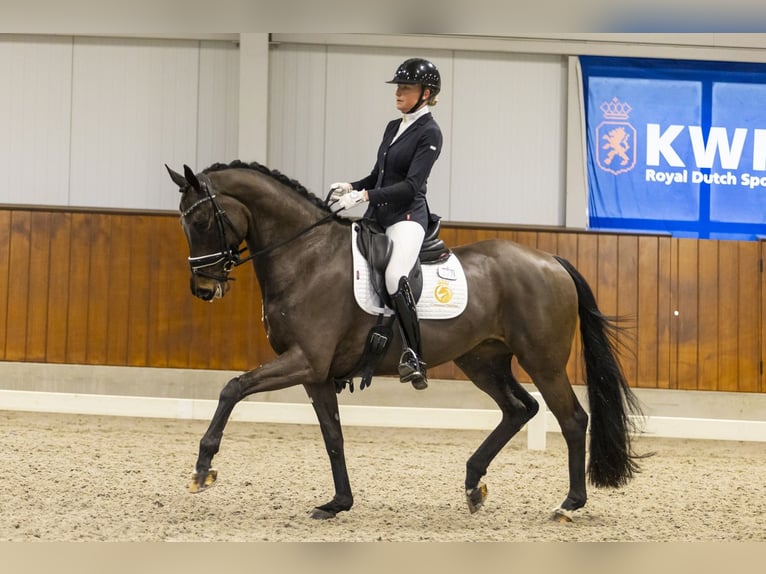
(418, 71)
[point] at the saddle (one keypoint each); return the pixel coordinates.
(376, 247)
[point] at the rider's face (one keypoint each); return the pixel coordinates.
(407, 96)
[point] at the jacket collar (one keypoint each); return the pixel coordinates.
(420, 120)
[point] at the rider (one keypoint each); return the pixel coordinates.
(396, 191)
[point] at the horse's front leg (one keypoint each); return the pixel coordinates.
(325, 402)
(289, 369)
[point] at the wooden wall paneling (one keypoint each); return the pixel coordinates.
(762, 333)
(627, 304)
(547, 241)
(106, 288)
(688, 313)
(708, 317)
(199, 333)
(648, 286)
(727, 286)
(18, 287)
(39, 281)
(117, 267)
(528, 238)
(607, 273)
(748, 313)
(666, 349)
(78, 278)
(674, 311)
(466, 236)
(58, 288)
(225, 325)
(179, 297)
(5, 249)
(140, 290)
(243, 353)
(99, 303)
(159, 278)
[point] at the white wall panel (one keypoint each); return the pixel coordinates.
(297, 88)
(508, 141)
(359, 105)
(218, 104)
(134, 108)
(35, 102)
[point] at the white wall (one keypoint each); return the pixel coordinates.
(502, 117)
(508, 139)
(91, 121)
(35, 119)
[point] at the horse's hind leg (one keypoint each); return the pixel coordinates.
(489, 368)
(573, 420)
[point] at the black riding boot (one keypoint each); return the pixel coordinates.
(411, 368)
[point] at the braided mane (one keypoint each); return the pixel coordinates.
(277, 175)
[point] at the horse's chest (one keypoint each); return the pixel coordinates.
(276, 323)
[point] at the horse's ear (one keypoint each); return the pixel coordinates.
(191, 178)
(177, 178)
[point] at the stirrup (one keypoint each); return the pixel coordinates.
(412, 370)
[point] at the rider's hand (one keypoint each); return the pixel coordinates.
(340, 188)
(351, 199)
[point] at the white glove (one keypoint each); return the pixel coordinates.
(339, 188)
(350, 199)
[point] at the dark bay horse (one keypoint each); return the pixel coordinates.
(522, 302)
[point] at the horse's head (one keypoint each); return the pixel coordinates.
(215, 226)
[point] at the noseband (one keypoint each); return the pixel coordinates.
(230, 256)
(227, 254)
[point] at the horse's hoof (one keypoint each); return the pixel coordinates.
(562, 516)
(321, 514)
(203, 481)
(475, 497)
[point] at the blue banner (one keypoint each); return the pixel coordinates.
(676, 146)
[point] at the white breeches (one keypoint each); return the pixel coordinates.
(407, 238)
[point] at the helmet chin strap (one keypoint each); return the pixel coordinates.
(420, 100)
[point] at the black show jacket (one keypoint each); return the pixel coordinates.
(397, 184)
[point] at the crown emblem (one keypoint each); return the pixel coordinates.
(615, 110)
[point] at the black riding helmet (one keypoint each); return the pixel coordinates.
(418, 71)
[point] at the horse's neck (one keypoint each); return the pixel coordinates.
(281, 219)
(277, 212)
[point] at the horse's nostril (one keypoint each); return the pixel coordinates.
(202, 292)
(205, 294)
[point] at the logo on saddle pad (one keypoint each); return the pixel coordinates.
(444, 295)
(442, 292)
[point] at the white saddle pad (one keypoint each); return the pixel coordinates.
(444, 296)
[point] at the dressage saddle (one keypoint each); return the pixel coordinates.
(376, 247)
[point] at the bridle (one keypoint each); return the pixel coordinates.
(230, 256)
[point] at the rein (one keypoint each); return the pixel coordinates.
(231, 256)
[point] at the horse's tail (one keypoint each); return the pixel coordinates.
(612, 460)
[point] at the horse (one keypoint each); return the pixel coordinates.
(522, 303)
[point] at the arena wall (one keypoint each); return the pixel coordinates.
(111, 288)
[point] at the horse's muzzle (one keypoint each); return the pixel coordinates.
(207, 289)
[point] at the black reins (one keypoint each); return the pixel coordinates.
(228, 254)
